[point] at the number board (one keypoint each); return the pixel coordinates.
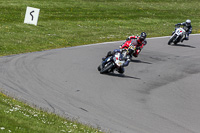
(32, 15)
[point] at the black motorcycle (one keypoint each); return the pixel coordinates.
(113, 62)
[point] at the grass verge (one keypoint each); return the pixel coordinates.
(17, 117)
(66, 23)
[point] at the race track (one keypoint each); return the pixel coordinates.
(158, 93)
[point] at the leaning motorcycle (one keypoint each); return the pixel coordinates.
(131, 48)
(112, 63)
(177, 35)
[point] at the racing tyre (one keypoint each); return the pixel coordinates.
(106, 68)
(99, 68)
(171, 40)
(177, 40)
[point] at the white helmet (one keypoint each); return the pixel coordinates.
(188, 22)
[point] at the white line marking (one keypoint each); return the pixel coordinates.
(103, 43)
(88, 45)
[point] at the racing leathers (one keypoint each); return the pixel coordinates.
(126, 59)
(135, 41)
(187, 28)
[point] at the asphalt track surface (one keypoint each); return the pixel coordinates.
(158, 93)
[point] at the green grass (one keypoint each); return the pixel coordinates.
(66, 23)
(17, 117)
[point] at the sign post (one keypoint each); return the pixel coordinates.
(31, 16)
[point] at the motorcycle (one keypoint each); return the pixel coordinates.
(131, 47)
(177, 35)
(113, 62)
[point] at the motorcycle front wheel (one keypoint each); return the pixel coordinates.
(177, 40)
(171, 39)
(106, 68)
(99, 68)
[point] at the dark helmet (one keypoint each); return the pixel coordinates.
(143, 36)
(188, 22)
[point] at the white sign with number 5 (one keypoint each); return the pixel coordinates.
(32, 15)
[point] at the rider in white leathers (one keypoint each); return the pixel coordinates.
(187, 27)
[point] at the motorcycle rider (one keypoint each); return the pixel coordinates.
(139, 42)
(120, 69)
(187, 27)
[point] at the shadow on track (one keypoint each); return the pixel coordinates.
(121, 75)
(139, 61)
(183, 45)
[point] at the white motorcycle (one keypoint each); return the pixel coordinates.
(112, 63)
(177, 36)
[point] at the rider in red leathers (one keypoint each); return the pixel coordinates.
(138, 41)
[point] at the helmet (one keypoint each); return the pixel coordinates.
(143, 36)
(188, 22)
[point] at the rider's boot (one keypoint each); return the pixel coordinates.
(184, 39)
